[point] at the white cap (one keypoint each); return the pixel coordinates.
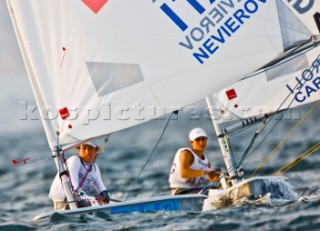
(197, 132)
(90, 143)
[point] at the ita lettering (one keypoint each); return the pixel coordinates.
(174, 16)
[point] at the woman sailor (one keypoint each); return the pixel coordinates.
(84, 174)
(190, 166)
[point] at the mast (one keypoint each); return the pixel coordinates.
(224, 143)
(63, 172)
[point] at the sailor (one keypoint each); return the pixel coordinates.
(84, 174)
(190, 166)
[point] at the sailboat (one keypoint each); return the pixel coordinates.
(97, 67)
(240, 106)
(286, 83)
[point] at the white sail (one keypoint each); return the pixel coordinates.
(100, 66)
(290, 83)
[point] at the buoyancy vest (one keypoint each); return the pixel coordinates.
(175, 179)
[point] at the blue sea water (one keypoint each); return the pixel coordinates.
(24, 188)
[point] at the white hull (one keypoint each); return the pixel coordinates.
(250, 188)
(255, 187)
(164, 203)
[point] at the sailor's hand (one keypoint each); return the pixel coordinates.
(82, 203)
(104, 196)
(217, 170)
(212, 170)
(81, 199)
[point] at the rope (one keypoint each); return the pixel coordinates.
(136, 180)
(297, 160)
(286, 137)
(253, 140)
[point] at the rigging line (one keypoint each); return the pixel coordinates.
(253, 150)
(253, 140)
(233, 167)
(237, 163)
(286, 137)
(241, 159)
(239, 131)
(136, 180)
(24, 166)
(229, 146)
(39, 161)
(297, 160)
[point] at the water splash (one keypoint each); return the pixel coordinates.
(278, 187)
(268, 191)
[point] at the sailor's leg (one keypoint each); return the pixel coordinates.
(181, 191)
(59, 205)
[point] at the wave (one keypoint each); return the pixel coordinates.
(265, 191)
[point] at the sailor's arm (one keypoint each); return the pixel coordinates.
(104, 195)
(74, 165)
(186, 160)
(98, 183)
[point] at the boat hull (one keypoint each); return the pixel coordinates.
(256, 187)
(192, 202)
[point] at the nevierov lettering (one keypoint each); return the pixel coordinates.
(219, 21)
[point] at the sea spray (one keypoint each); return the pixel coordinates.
(268, 191)
(280, 188)
(217, 198)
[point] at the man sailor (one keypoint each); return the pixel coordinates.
(84, 174)
(190, 166)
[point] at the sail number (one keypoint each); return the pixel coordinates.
(301, 6)
(308, 84)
